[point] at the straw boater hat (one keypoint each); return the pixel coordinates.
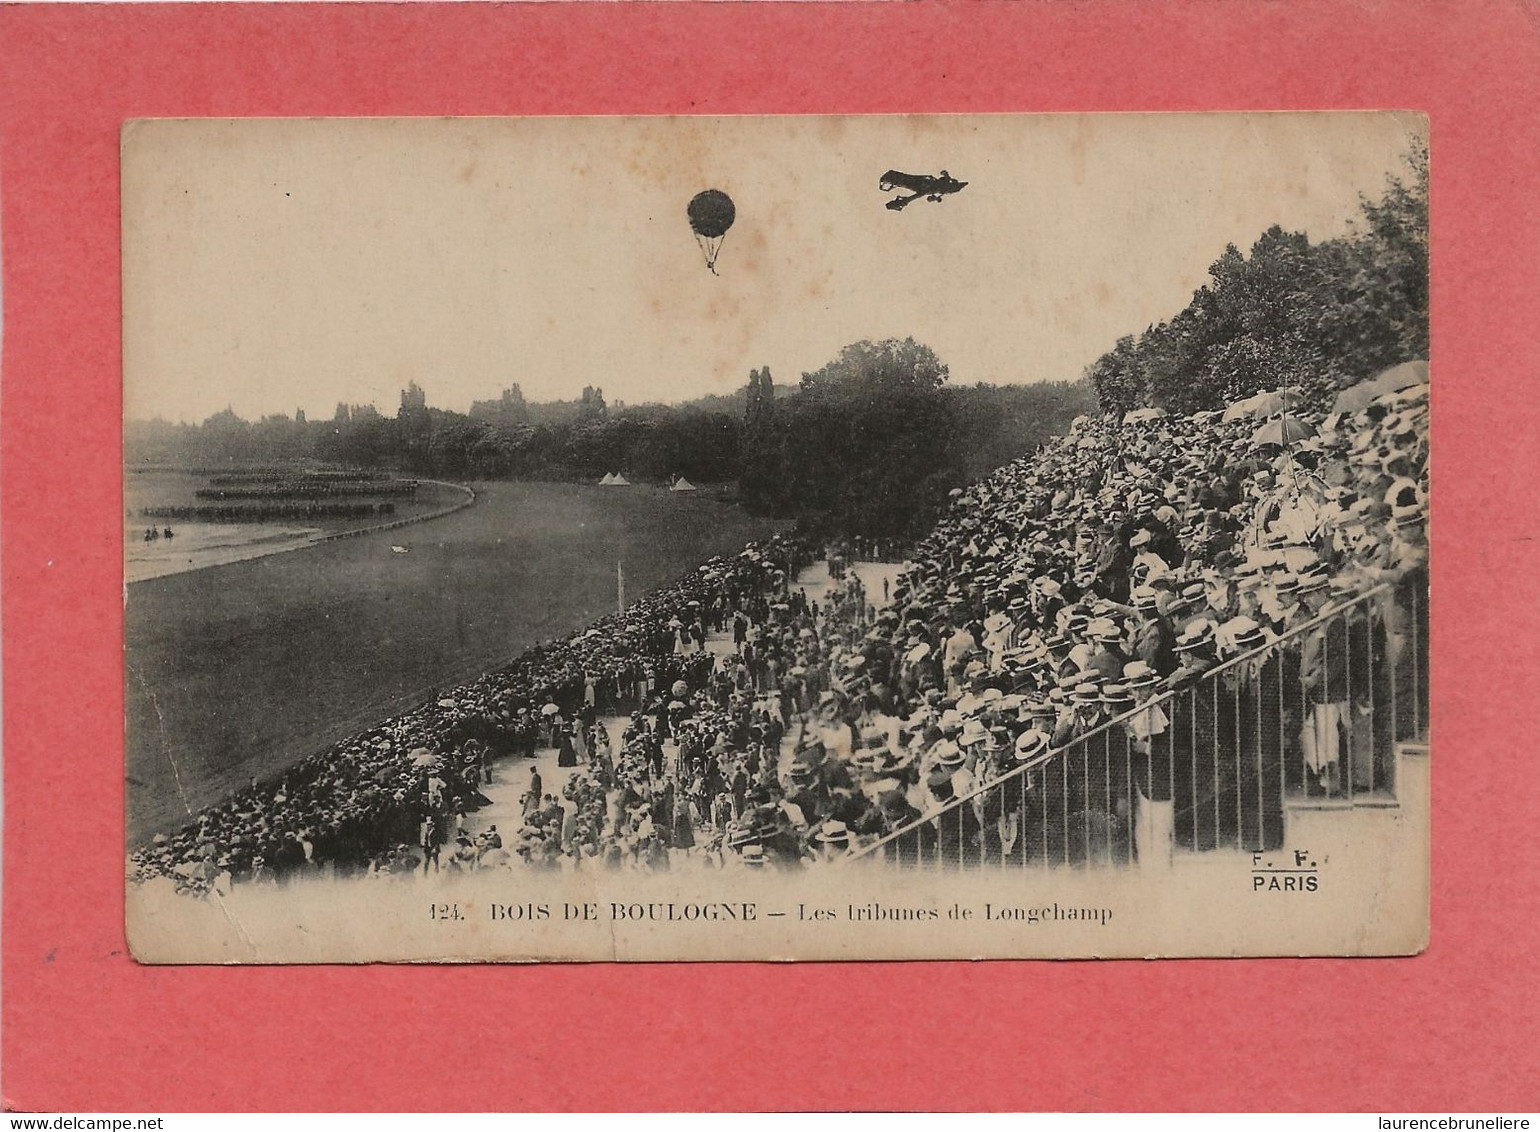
(1285, 584)
(1144, 597)
(754, 855)
(1030, 744)
(1043, 709)
(1104, 629)
(1086, 693)
(947, 754)
(865, 759)
(974, 732)
(833, 833)
(1117, 696)
(1196, 635)
(1138, 674)
(1315, 578)
(1245, 633)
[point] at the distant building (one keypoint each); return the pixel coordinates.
(508, 410)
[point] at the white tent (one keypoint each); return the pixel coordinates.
(618, 480)
(609, 478)
(682, 484)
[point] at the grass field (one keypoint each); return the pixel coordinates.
(241, 670)
(199, 544)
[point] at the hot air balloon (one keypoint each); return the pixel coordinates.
(711, 214)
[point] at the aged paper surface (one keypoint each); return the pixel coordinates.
(478, 611)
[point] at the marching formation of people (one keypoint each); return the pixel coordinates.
(308, 487)
(265, 512)
(1066, 601)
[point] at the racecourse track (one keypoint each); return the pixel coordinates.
(237, 671)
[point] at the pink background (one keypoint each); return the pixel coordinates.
(88, 1029)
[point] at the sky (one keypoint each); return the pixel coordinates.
(280, 264)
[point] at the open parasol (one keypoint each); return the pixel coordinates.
(1280, 432)
(1266, 404)
(1361, 396)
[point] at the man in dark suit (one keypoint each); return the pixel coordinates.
(1154, 639)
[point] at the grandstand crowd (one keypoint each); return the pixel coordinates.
(1055, 599)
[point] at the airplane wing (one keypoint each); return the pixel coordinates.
(893, 179)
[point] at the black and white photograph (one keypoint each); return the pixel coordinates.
(776, 538)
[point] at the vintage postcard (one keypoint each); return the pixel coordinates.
(776, 538)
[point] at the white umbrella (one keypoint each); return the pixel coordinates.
(549, 709)
(1362, 395)
(1260, 405)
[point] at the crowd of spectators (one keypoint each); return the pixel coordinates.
(1062, 596)
(363, 805)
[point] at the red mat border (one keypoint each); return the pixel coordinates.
(87, 1029)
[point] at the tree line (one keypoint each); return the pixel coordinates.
(870, 443)
(1315, 317)
(867, 445)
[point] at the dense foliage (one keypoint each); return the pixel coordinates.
(647, 442)
(871, 443)
(1291, 313)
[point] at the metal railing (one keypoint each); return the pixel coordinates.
(1312, 718)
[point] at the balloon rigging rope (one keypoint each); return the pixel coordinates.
(708, 251)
